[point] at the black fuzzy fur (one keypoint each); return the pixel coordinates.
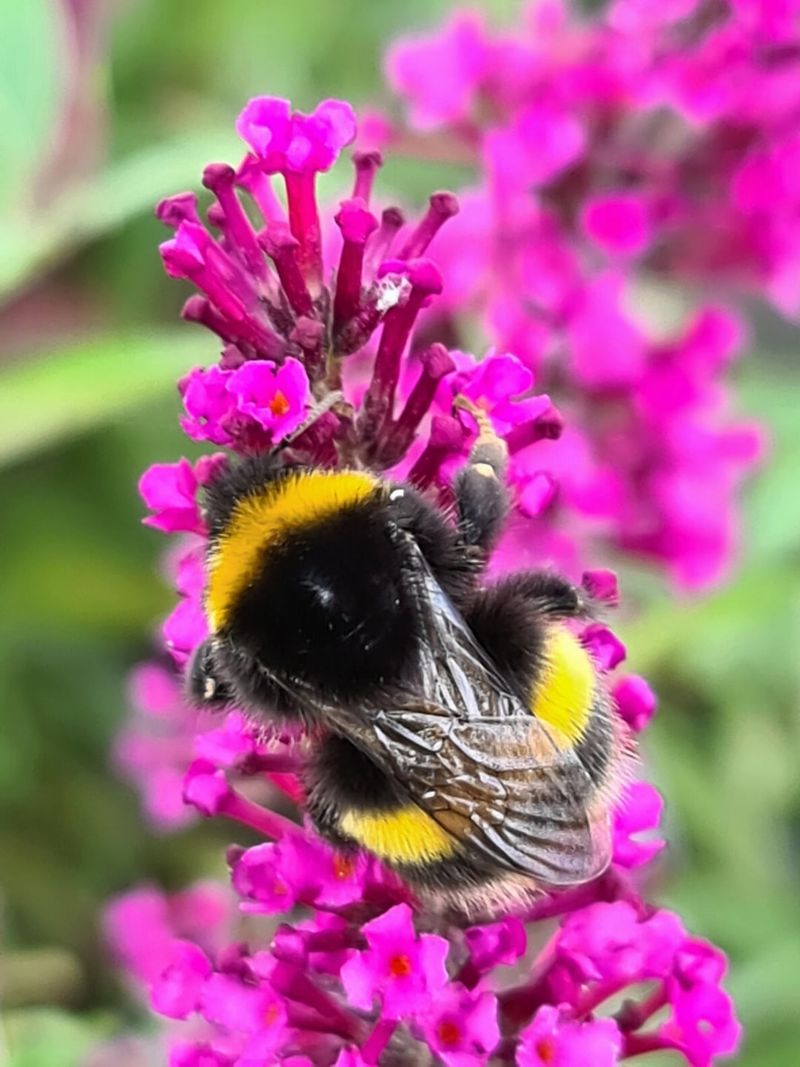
(238, 480)
(482, 503)
(332, 607)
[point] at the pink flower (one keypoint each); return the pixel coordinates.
(703, 1024)
(275, 398)
(635, 700)
(258, 876)
(186, 626)
(186, 1055)
(184, 629)
(610, 942)
(542, 140)
(496, 385)
(638, 811)
(141, 926)
(209, 407)
(501, 942)
(552, 1040)
(404, 971)
(461, 1028)
(176, 992)
(138, 929)
(660, 142)
(206, 788)
(305, 868)
(154, 691)
(284, 140)
(169, 489)
(605, 646)
(228, 745)
(619, 223)
(155, 744)
(440, 73)
(239, 1006)
(598, 317)
(601, 585)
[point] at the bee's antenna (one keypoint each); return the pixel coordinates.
(328, 401)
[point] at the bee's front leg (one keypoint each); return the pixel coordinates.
(480, 487)
(205, 685)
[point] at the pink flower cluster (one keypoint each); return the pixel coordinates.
(326, 959)
(356, 973)
(647, 147)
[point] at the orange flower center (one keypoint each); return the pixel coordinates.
(271, 1015)
(449, 1033)
(546, 1050)
(343, 867)
(399, 966)
(279, 405)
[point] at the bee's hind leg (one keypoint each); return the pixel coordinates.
(510, 619)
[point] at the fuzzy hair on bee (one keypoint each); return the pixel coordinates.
(461, 732)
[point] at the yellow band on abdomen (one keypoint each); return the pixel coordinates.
(405, 835)
(563, 697)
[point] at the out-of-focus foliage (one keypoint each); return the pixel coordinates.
(90, 137)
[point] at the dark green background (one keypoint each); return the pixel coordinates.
(91, 349)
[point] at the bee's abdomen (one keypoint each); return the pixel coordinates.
(570, 697)
(404, 835)
(600, 745)
(563, 694)
(353, 801)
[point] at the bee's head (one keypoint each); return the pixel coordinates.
(308, 580)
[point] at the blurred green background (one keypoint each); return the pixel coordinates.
(104, 107)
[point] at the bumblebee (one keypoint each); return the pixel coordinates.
(461, 733)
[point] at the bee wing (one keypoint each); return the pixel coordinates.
(468, 751)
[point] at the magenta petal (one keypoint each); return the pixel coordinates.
(636, 701)
(205, 787)
(433, 951)
(618, 223)
(358, 982)
(176, 993)
(638, 811)
(604, 645)
(496, 943)
(237, 1006)
(265, 124)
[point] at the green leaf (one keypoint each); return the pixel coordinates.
(29, 81)
(773, 527)
(130, 187)
(48, 1037)
(86, 385)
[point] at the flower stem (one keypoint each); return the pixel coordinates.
(263, 821)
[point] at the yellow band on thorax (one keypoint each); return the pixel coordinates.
(405, 835)
(564, 694)
(264, 517)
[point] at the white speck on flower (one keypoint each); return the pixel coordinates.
(391, 292)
